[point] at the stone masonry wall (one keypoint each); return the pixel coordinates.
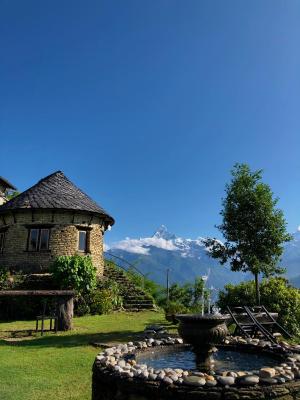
(64, 236)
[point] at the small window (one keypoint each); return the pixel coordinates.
(82, 244)
(44, 239)
(33, 239)
(2, 238)
(38, 239)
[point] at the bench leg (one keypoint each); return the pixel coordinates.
(42, 330)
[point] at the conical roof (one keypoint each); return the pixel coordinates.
(55, 191)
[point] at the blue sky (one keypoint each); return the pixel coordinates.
(146, 105)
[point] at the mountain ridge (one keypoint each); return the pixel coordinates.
(188, 258)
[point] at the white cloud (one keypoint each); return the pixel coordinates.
(105, 247)
(141, 246)
(130, 245)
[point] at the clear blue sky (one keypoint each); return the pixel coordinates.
(146, 105)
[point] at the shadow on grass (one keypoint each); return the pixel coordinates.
(75, 340)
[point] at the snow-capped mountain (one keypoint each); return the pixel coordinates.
(188, 258)
(291, 256)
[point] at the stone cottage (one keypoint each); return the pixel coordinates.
(50, 219)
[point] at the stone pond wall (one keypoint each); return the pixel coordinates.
(63, 240)
(107, 387)
(117, 375)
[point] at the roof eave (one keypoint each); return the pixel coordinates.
(7, 183)
(107, 217)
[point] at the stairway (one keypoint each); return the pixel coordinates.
(134, 297)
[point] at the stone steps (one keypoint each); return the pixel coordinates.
(134, 298)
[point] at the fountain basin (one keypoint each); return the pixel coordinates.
(226, 358)
(117, 375)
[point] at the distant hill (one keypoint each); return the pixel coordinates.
(295, 281)
(188, 258)
(291, 256)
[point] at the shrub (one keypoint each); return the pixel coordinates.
(181, 294)
(103, 299)
(113, 289)
(3, 277)
(277, 295)
(81, 306)
(100, 302)
(173, 308)
(189, 295)
(74, 272)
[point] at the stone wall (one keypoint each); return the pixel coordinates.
(64, 236)
(108, 386)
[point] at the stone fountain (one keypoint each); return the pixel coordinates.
(203, 332)
(165, 367)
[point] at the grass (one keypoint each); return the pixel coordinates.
(57, 367)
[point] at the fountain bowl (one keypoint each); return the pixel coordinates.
(202, 331)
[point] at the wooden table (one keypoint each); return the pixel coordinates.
(65, 304)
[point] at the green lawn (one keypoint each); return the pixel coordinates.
(59, 366)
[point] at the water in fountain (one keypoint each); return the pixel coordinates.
(223, 360)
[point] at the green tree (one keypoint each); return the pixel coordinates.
(182, 294)
(253, 227)
(199, 290)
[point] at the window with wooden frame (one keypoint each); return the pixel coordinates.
(2, 240)
(83, 240)
(38, 239)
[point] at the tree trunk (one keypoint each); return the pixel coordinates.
(65, 313)
(257, 291)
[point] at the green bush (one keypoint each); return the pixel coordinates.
(189, 295)
(81, 306)
(277, 295)
(4, 274)
(173, 308)
(113, 290)
(100, 302)
(103, 299)
(181, 294)
(74, 272)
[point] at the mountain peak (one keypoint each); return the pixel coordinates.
(163, 233)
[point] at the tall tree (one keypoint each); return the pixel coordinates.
(253, 227)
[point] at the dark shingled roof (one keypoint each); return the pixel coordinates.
(7, 184)
(55, 191)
